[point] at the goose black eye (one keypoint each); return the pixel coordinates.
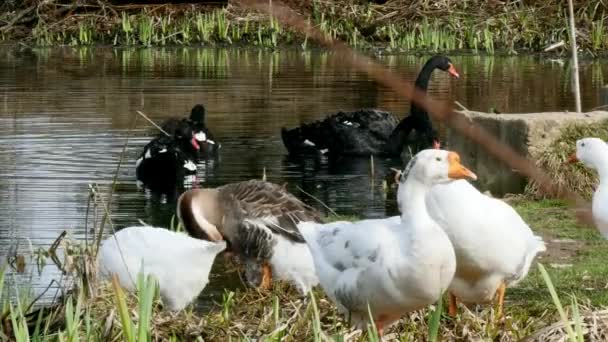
(438, 159)
(582, 144)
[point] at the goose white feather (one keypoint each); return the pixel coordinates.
(492, 242)
(394, 265)
(292, 262)
(180, 263)
(593, 153)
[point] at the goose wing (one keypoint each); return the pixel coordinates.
(269, 205)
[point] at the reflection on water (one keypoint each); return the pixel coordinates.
(65, 114)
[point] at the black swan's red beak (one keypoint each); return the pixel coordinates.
(436, 144)
(452, 71)
(195, 143)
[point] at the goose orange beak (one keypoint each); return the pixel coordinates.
(457, 170)
(452, 71)
(572, 159)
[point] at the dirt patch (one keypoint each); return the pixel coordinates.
(560, 251)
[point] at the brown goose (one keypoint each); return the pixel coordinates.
(260, 221)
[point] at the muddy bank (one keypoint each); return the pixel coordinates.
(397, 25)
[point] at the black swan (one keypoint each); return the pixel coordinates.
(166, 160)
(369, 131)
(207, 143)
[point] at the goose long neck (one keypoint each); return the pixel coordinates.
(411, 197)
(200, 214)
(601, 165)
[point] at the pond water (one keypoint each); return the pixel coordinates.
(65, 115)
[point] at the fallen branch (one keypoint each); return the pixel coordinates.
(16, 18)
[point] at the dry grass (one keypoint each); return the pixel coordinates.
(254, 315)
(576, 177)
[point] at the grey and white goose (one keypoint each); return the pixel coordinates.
(259, 221)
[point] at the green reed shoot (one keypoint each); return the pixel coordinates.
(145, 29)
(222, 26)
(372, 331)
(147, 288)
(72, 317)
(558, 304)
(597, 34)
(84, 34)
(127, 28)
(19, 323)
(123, 311)
(316, 322)
(227, 301)
(434, 320)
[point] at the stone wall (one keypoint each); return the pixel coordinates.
(527, 133)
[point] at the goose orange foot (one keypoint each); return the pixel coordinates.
(266, 276)
(500, 292)
(452, 305)
(379, 327)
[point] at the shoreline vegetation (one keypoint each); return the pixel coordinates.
(568, 286)
(506, 27)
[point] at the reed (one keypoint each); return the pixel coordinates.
(443, 26)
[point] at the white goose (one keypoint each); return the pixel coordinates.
(180, 263)
(394, 265)
(494, 247)
(593, 153)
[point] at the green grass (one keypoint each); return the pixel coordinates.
(585, 272)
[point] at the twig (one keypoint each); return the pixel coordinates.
(461, 106)
(318, 200)
(599, 107)
(106, 215)
(16, 18)
(53, 281)
(577, 89)
(122, 257)
(554, 46)
(153, 123)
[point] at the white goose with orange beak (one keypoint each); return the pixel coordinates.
(394, 265)
(593, 153)
(494, 247)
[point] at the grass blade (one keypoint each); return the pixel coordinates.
(123, 311)
(434, 320)
(558, 304)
